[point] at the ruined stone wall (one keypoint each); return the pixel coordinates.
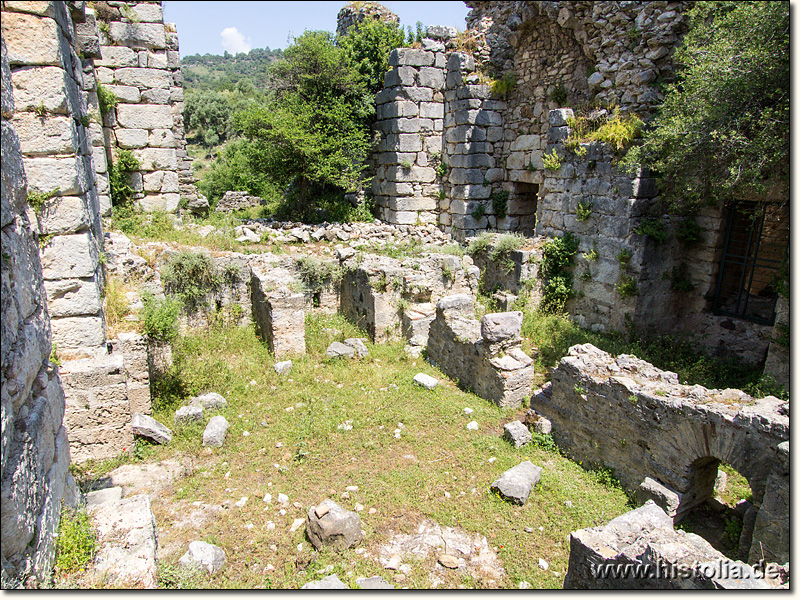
(35, 452)
(641, 422)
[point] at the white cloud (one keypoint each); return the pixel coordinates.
(234, 42)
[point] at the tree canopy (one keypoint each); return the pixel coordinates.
(723, 131)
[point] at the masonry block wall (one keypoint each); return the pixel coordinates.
(35, 452)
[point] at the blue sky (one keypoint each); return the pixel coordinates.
(213, 27)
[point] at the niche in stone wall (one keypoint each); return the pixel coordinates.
(522, 207)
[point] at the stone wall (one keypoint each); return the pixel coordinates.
(484, 356)
(676, 435)
(35, 452)
(357, 12)
(52, 92)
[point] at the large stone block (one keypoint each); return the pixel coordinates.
(415, 204)
(132, 138)
(148, 13)
(401, 76)
(31, 40)
(328, 525)
(49, 87)
(431, 77)
(63, 215)
(137, 35)
(515, 485)
(144, 116)
(65, 174)
(143, 78)
(78, 332)
(152, 159)
(410, 57)
(159, 202)
(501, 327)
(39, 136)
(73, 297)
(117, 57)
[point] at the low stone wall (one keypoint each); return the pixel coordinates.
(483, 356)
(654, 427)
(233, 201)
(517, 272)
(644, 541)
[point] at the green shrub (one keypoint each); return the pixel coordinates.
(502, 249)
(500, 203)
(552, 162)
(689, 233)
(191, 276)
(654, 229)
(316, 274)
(584, 210)
(478, 212)
(627, 287)
(106, 98)
(120, 178)
(624, 258)
(75, 544)
(559, 95)
(619, 132)
(556, 269)
(479, 245)
(503, 86)
(159, 317)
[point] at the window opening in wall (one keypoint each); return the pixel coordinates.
(523, 207)
(756, 242)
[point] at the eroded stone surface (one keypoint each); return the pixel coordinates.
(337, 528)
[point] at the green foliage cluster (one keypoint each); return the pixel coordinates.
(624, 257)
(191, 276)
(75, 544)
(680, 280)
(315, 274)
(556, 270)
(689, 233)
(36, 199)
(106, 98)
(219, 72)
(584, 209)
(551, 161)
(654, 229)
(723, 131)
(120, 171)
(626, 287)
(502, 249)
(618, 131)
(479, 211)
(502, 87)
(500, 203)
(208, 114)
(159, 317)
(559, 95)
(367, 48)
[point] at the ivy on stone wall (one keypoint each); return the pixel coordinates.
(556, 270)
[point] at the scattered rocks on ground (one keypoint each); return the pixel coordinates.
(358, 346)
(472, 426)
(394, 562)
(515, 485)
(448, 561)
(517, 434)
(204, 556)
(468, 411)
(189, 414)
(340, 350)
(150, 428)
(543, 564)
(331, 582)
(215, 432)
(374, 583)
(282, 368)
(337, 528)
(210, 401)
(426, 381)
(297, 524)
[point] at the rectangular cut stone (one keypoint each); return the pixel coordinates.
(69, 257)
(148, 13)
(153, 159)
(431, 77)
(144, 116)
(402, 76)
(63, 215)
(137, 35)
(35, 87)
(162, 138)
(153, 181)
(35, 7)
(469, 161)
(31, 40)
(431, 110)
(157, 60)
(77, 332)
(156, 96)
(410, 57)
(143, 78)
(416, 204)
(399, 108)
(53, 135)
(132, 138)
(126, 93)
(170, 183)
(72, 297)
(47, 174)
(159, 202)
(116, 57)
(99, 159)
(414, 174)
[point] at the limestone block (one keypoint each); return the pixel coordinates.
(186, 415)
(156, 96)
(559, 116)
(431, 110)
(144, 116)
(99, 159)
(176, 94)
(159, 202)
(394, 188)
(210, 401)
(68, 257)
(143, 78)
(63, 215)
(473, 192)
(117, 57)
(137, 35)
(126, 93)
(500, 327)
(104, 75)
(35, 7)
(410, 57)
(465, 133)
(517, 433)
(411, 203)
(47, 174)
(157, 60)
(668, 499)
(173, 59)
(431, 77)
(152, 159)
(55, 134)
(460, 61)
(215, 432)
(132, 138)
(426, 381)
(414, 174)
(402, 76)
(78, 332)
(35, 87)
(162, 138)
(399, 108)
(31, 40)
(471, 161)
(331, 526)
(150, 428)
(515, 485)
(153, 181)
(170, 183)
(202, 555)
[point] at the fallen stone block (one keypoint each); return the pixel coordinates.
(283, 367)
(210, 401)
(517, 434)
(112, 494)
(331, 582)
(337, 528)
(426, 381)
(668, 499)
(374, 583)
(150, 428)
(204, 557)
(358, 346)
(499, 327)
(340, 350)
(215, 432)
(515, 485)
(189, 414)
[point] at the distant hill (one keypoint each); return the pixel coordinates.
(212, 71)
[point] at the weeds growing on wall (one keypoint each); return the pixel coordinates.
(120, 172)
(584, 210)
(159, 317)
(106, 98)
(551, 161)
(75, 544)
(500, 203)
(191, 276)
(502, 87)
(37, 199)
(315, 274)
(478, 212)
(654, 229)
(617, 131)
(556, 270)
(689, 233)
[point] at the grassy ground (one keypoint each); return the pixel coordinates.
(436, 469)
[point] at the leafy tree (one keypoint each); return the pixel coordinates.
(208, 114)
(723, 131)
(367, 48)
(314, 134)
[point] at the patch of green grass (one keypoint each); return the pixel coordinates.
(75, 544)
(737, 487)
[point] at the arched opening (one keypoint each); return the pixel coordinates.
(720, 507)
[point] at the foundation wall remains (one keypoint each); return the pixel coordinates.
(674, 434)
(34, 477)
(484, 356)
